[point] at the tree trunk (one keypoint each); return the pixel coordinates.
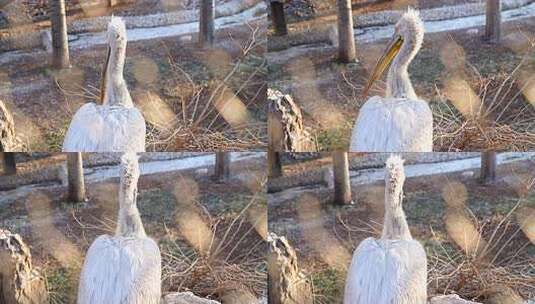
(274, 161)
(206, 23)
(346, 39)
(488, 167)
(278, 18)
(222, 166)
(493, 22)
(10, 166)
(342, 187)
(75, 177)
(60, 42)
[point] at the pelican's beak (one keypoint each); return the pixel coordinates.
(103, 78)
(382, 65)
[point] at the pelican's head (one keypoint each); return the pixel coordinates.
(116, 34)
(394, 180)
(129, 170)
(405, 44)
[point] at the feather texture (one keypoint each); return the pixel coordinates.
(99, 128)
(393, 125)
(392, 269)
(387, 272)
(121, 270)
(125, 268)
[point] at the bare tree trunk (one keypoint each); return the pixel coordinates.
(278, 18)
(60, 42)
(342, 187)
(222, 166)
(493, 22)
(75, 177)
(206, 23)
(488, 167)
(274, 162)
(10, 166)
(346, 39)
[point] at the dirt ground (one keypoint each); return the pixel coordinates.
(172, 205)
(178, 86)
(330, 94)
(438, 208)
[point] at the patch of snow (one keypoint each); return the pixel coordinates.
(102, 173)
(257, 12)
(374, 33)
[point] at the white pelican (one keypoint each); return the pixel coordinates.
(116, 125)
(399, 122)
(392, 269)
(124, 268)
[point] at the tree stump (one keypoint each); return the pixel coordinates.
(285, 124)
(19, 282)
(7, 129)
(286, 284)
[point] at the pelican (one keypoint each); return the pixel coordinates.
(399, 122)
(124, 268)
(392, 269)
(116, 125)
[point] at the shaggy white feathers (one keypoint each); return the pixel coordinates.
(116, 125)
(400, 122)
(393, 125)
(393, 269)
(98, 128)
(125, 268)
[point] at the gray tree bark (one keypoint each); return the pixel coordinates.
(278, 18)
(488, 167)
(10, 166)
(60, 42)
(342, 187)
(274, 162)
(493, 21)
(222, 166)
(75, 177)
(346, 41)
(206, 23)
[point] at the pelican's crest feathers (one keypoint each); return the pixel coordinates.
(129, 168)
(117, 27)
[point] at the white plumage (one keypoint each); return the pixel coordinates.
(116, 125)
(400, 122)
(392, 269)
(125, 268)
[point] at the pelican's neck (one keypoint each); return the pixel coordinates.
(116, 89)
(398, 82)
(129, 224)
(395, 224)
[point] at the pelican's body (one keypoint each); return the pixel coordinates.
(392, 269)
(399, 122)
(116, 125)
(124, 268)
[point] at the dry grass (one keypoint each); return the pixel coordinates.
(229, 257)
(496, 115)
(496, 259)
